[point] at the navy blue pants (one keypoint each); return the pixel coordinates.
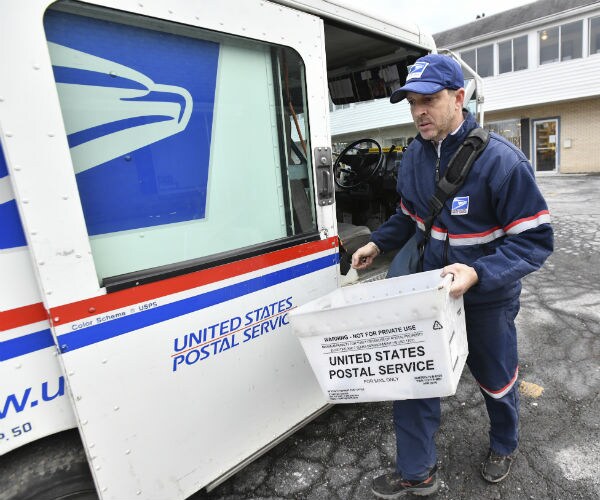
(493, 361)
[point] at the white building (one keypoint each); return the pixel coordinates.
(540, 65)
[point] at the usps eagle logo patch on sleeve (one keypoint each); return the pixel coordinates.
(460, 205)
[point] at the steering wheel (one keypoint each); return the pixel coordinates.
(355, 165)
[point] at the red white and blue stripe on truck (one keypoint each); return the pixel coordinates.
(313, 256)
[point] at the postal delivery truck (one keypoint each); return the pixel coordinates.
(167, 196)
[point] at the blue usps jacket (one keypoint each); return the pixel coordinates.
(498, 221)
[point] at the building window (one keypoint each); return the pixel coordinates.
(571, 41)
(480, 59)
(509, 129)
(505, 57)
(548, 45)
(468, 56)
(520, 58)
(338, 147)
(512, 55)
(561, 43)
(485, 60)
(595, 35)
(399, 142)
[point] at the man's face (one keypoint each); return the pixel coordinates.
(436, 115)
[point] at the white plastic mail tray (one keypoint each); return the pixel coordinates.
(399, 338)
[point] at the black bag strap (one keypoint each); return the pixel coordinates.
(456, 173)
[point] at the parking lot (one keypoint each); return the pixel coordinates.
(337, 455)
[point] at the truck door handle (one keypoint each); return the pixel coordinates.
(324, 167)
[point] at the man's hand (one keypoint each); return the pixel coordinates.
(364, 256)
(464, 278)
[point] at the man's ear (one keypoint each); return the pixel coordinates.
(460, 98)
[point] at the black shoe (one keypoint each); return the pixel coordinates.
(496, 467)
(392, 485)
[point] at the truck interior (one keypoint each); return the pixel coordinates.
(365, 174)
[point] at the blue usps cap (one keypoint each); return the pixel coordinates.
(430, 74)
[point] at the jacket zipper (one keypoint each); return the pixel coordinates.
(438, 148)
(446, 245)
(437, 180)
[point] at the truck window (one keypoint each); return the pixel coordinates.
(187, 144)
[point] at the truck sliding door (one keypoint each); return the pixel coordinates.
(163, 171)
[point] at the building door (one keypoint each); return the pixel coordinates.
(545, 140)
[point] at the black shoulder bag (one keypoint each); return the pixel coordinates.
(409, 259)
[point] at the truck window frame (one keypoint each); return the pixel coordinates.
(288, 124)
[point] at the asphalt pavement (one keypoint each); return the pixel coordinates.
(337, 455)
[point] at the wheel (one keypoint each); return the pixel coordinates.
(356, 164)
(53, 468)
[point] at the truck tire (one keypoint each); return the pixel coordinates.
(53, 468)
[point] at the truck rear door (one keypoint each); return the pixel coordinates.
(163, 167)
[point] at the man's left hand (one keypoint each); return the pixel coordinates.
(464, 278)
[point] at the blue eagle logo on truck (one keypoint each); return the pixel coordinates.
(138, 121)
(118, 109)
(138, 124)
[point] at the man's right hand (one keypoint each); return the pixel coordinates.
(364, 256)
